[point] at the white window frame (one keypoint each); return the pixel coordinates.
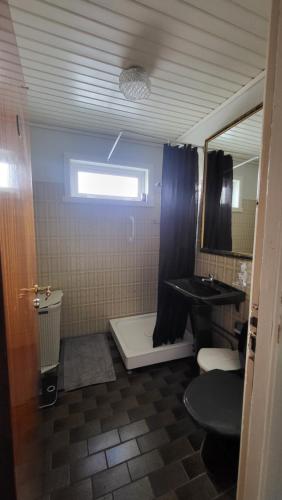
(75, 164)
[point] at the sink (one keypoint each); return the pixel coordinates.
(210, 293)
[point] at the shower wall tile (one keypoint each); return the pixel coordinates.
(84, 249)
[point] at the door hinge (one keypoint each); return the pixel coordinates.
(278, 333)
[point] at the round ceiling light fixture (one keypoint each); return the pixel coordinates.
(135, 83)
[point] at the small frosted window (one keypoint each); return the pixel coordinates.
(98, 184)
(106, 182)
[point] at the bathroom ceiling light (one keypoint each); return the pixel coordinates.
(134, 83)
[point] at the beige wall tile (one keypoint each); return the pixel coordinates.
(84, 250)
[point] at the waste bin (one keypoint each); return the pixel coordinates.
(49, 330)
(49, 342)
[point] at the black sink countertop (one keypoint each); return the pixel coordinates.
(213, 292)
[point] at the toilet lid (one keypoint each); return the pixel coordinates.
(215, 400)
(218, 359)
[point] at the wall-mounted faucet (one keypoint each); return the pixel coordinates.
(210, 278)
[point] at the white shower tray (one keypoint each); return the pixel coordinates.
(133, 337)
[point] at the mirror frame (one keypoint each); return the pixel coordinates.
(203, 249)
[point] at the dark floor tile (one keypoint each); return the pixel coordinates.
(46, 429)
(156, 383)
(119, 367)
(57, 441)
(69, 422)
(176, 450)
(179, 412)
(103, 441)
(133, 430)
(88, 466)
(125, 404)
(172, 389)
(46, 461)
(69, 454)
(152, 440)
(143, 465)
(199, 488)
(167, 403)
(54, 412)
(183, 427)
(196, 438)
(175, 378)
(194, 465)
(86, 431)
(98, 413)
(110, 397)
(228, 495)
(117, 420)
(132, 390)
(181, 366)
(138, 378)
(140, 490)
(118, 384)
(149, 397)
(160, 371)
(171, 495)
(94, 390)
(110, 479)
(109, 496)
(69, 397)
(168, 478)
(143, 411)
(81, 406)
(77, 491)
(115, 354)
(122, 452)
(56, 479)
(161, 419)
(224, 479)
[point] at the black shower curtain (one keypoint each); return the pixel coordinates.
(218, 201)
(177, 238)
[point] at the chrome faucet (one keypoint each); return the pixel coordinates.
(210, 278)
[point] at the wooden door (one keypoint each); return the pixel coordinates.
(263, 340)
(19, 368)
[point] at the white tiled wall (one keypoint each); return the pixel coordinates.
(85, 250)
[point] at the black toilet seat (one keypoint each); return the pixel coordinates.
(215, 399)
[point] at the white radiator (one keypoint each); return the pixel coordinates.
(49, 330)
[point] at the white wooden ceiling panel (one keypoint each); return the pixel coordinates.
(202, 20)
(171, 83)
(198, 54)
(243, 139)
(75, 49)
(258, 7)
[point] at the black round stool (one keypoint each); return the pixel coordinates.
(214, 400)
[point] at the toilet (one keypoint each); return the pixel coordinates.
(216, 358)
(226, 359)
(214, 400)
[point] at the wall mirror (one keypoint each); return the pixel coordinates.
(230, 187)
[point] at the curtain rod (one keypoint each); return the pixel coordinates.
(171, 143)
(246, 161)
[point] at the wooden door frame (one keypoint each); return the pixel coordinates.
(266, 293)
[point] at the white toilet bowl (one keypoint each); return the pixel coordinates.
(218, 359)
